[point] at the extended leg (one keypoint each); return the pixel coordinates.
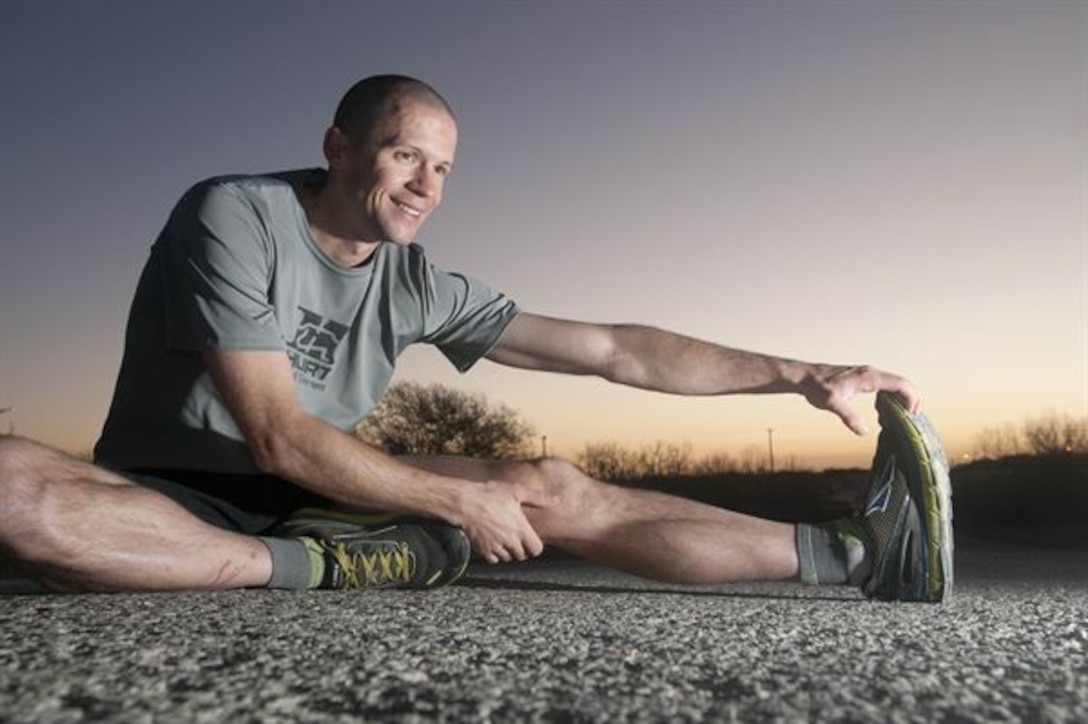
(642, 532)
(72, 525)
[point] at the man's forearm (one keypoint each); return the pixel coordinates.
(323, 459)
(667, 362)
(658, 360)
(336, 465)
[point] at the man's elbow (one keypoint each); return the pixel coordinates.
(624, 360)
(274, 451)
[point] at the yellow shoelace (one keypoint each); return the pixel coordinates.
(376, 569)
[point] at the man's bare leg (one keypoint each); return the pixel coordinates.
(72, 525)
(650, 534)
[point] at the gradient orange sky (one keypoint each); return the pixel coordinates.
(903, 184)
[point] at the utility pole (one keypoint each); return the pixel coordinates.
(770, 445)
(544, 446)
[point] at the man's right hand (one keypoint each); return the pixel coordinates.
(495, 523)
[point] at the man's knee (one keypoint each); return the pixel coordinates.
(18, 460)
(16, 454)
(20, 501)
(34, 485)
(571, 493)
(554, 479)
(561, 475)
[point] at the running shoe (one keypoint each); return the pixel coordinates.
(382, 551)
(907, 519)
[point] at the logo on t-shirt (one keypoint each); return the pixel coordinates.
(313, 349)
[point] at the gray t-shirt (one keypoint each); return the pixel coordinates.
(236, 268)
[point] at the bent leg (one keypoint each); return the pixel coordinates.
(72, 525)
(650, 534)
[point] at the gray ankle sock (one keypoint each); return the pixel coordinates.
(292, 565)
(831, 553)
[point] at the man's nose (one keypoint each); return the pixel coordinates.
(426, 182)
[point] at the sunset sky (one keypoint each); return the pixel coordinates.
(898, 183)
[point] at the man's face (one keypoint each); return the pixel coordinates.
(390, 182)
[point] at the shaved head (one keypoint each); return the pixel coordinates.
(373, 102)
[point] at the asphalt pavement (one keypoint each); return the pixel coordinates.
(563, 641)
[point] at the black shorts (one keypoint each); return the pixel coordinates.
(249, 504)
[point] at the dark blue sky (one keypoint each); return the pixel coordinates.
(897, 183)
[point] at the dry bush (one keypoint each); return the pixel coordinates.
(660, 459)
(754, 460)
(714, 463)
(664, 459)
(1049, 434)
(608, 461)
(998, 442)
(413, 418)
(1053, 434)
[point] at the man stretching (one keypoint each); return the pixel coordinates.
(266, 325)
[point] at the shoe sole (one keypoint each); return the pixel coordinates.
(931, 486)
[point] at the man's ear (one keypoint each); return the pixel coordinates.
(335, 146)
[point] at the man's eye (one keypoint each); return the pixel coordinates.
(405, 156)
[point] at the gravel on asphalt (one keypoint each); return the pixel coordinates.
(560, 640)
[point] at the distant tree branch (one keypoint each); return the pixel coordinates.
(418, 419)
(1049, 434)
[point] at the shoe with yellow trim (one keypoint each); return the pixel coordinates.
(907, 521)
(381, 551)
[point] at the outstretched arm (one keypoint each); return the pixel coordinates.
(655, 359)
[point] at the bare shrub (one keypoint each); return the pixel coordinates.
(609, 461)
(790, 464)
(1049, 434)
(714, 463)
(753, 459)
(664, 459)
(433, 419)
(1053, 434)
(660, 459)
(998, 442)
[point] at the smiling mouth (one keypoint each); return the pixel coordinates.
(410, 210)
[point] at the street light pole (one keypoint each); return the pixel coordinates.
(770, 445)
